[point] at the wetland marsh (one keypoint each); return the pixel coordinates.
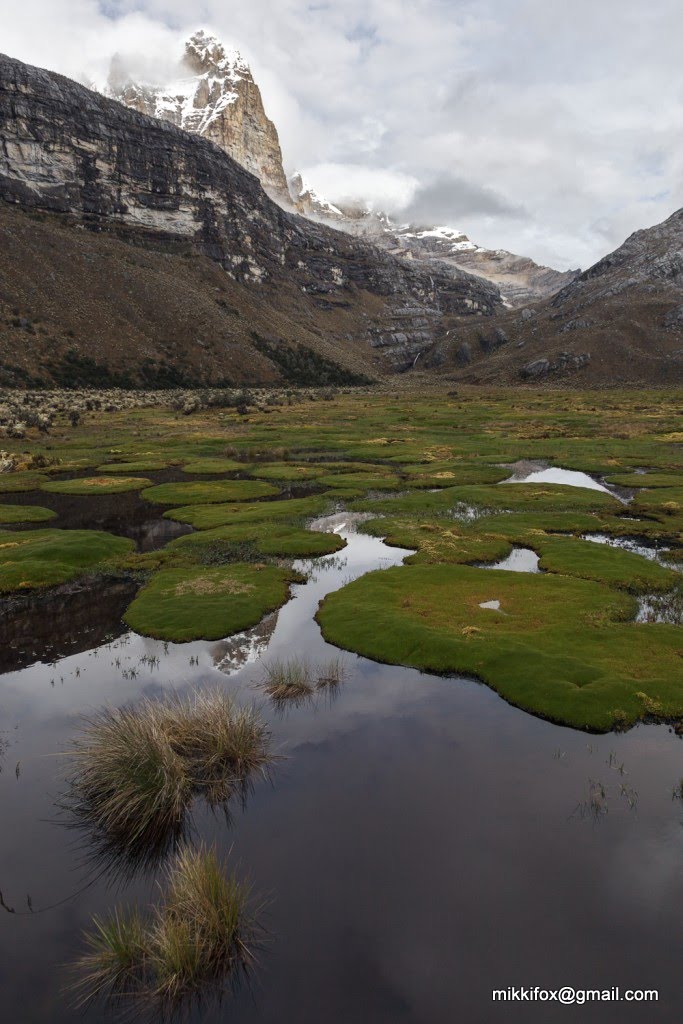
(416, 840)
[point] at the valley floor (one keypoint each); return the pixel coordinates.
(359, 563)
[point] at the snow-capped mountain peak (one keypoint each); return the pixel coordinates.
(208, 53)
(213, 94)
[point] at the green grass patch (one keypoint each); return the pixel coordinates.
(559, 647)
(25, 514)
(200, 492)
(287, 471)
(14, 483)
(43, 558)
(613, 566)
(96, 485)
(452, 474)
(200, 603)
(645, 479)
(139, 466)
(361, 482)
(438, 541)
(268, 539)
(496, 498)
(208, 517)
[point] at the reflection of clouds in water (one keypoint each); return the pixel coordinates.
(646, 869)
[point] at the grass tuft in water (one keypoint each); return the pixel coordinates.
(288, 679)
(113, 966)
(330, 674)
(135, 771)
(201, 936)
(295, 680)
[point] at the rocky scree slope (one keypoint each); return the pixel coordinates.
(185, 262)
(619, 322)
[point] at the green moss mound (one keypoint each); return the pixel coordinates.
(361, 482)
(25, 514)
(96, 485)
(559, 647)
(287, 471)
(43, 558)
(438, 540)
(202, 492)
(614, 566)
(272, 539)
(201, 603)
(208, 517)
(645, 479)
(14, 483)
(451, 474)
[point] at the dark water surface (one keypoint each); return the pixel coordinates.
(422, 843)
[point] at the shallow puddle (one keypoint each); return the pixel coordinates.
(529, 472)
(422, 843)
(519, 560)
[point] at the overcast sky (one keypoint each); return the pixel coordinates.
(548, 127)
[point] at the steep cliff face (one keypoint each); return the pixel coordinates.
(214, 95)
(71, 152)
(621, 321)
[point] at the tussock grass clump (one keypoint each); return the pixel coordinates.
(296, 679)
(288, 679)
(330, 674)
(201, 935)
(113, 964)
(135, 771)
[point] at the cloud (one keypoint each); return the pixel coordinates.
(448, 198)
(381, 189)
(542, 127)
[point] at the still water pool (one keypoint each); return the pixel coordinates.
(421, 843)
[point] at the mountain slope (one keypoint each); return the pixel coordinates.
(621, 321)
(142, 185)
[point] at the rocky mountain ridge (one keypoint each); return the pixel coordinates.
(620, 321)
(228, 281)
(214, 95)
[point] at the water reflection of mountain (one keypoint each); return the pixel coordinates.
(44, 626)
(243, 648)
